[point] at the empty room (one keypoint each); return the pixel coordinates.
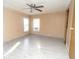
(39, 29)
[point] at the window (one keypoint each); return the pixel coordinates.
(36, 24)
(26, 24)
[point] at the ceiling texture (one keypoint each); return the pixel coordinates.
(50, 6)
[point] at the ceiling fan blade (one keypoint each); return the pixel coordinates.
(34, 5)
(39, 6)
(38, 9)
(29, 5)
(31, 10)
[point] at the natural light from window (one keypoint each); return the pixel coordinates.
(36, 24)
(26, 24)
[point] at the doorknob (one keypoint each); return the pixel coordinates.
(71, 28)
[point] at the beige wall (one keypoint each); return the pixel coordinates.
(13, 24)
(51, 24)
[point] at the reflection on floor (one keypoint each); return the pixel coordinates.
(35, 47)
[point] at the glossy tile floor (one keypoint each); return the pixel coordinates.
(35, 47)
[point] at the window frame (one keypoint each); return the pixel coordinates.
(25, 27)
(37, 26)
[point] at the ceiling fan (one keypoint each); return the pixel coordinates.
(33, 6)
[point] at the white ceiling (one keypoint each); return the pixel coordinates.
(49, 5)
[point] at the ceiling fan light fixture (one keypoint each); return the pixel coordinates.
(35, 7)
